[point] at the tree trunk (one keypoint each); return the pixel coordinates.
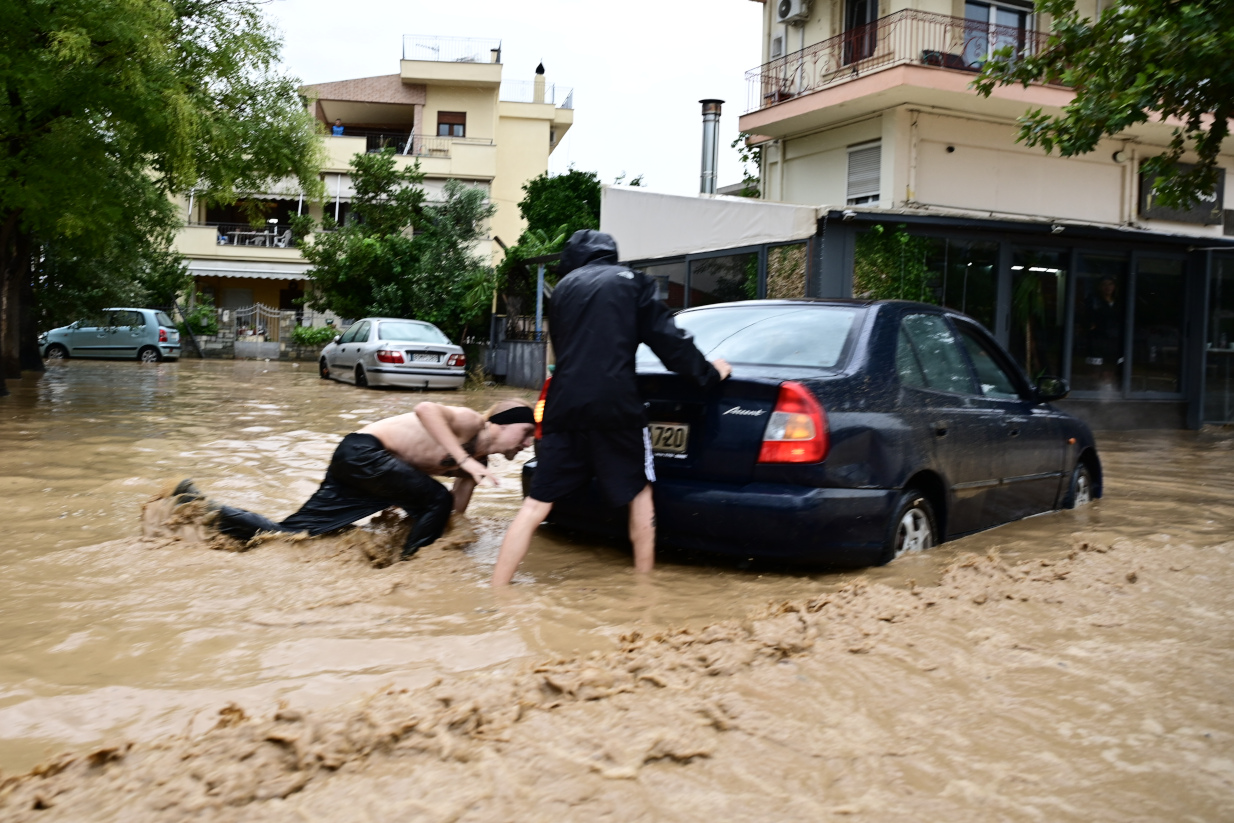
(29, 354)
(12, 277)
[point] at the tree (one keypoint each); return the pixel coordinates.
(749, 156)
(554, 208)
(398, 255)
(109, 107)
(1140, 60)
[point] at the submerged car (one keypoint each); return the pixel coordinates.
(849, 433)
(145, 334)
(389, 351)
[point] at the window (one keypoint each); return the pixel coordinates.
(451, 124)
(863, 167)
(935, 361)
(1098, 352)
(777, 47)
(401, 331)
(989, 27)
(1038, 310)
(860, 30)
(354, 333)
(994, 380)
(1158, 318)
(768, 335)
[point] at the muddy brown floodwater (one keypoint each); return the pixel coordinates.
(1073, 666)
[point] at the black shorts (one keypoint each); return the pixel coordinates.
(619, 460)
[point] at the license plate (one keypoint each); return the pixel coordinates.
(425, 357)
(669, 438)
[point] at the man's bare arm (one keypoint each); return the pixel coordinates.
(463, 487)
(440, 421)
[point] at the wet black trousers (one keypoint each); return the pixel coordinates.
(363, 479)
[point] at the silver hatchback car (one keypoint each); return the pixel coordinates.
(389, 351)
(145, 334)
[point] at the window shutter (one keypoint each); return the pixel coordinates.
(863, 168)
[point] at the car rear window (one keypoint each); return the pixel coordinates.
(404, 332)
(810, 336)
(164, 320)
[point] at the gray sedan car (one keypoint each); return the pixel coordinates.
(147, 335)
(389, 351)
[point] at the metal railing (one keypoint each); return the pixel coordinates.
(450, 49)
(524, 91)
(412, 145)
(906, 37)
(243, 234)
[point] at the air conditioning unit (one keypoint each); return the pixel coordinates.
(793, 12)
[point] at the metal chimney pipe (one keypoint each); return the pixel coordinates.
(711, 144)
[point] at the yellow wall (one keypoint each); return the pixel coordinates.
(479, 103)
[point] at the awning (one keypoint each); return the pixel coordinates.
(259, 271)
(651, 225)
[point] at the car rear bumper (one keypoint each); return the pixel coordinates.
(800, 524)
(417, 378)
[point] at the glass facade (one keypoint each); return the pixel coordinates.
(1038, 326)
(968, 275)
(1098, 352)
(1219, 345)
(1157, 327)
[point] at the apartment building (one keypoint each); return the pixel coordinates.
(449, 108)
(864, 108)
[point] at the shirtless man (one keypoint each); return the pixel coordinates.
(389, 463)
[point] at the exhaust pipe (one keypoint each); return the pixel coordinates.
(711, 144)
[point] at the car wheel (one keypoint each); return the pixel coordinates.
(361, 377)
(323, 369)
(913, 527)
(56, 352)
(149, 354)
(1081, 491)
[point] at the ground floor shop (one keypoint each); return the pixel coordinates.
(1140, 323)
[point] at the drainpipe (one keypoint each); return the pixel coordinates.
(338, 193)
(711, 144)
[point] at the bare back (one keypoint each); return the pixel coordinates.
(405, 437)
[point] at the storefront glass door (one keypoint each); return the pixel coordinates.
(1157, 327)
(1219, 348)
(1098, 355)
(1038, 310)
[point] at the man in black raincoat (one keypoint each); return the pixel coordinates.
(595, 423)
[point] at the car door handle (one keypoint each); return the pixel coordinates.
(1013, 425)
(940, 428)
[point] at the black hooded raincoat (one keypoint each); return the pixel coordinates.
(599, 314)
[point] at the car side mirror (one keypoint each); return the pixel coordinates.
(337, 338)
(1052, 388)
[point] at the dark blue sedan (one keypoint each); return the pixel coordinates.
(849, 433)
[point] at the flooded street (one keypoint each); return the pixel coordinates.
(1072, 666)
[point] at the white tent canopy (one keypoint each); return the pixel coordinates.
(241, 268)
(651, 225)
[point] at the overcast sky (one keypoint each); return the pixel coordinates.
(638, 67)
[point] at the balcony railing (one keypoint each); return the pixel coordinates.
(906, 37)
(524, 91)
(412, 145)
(451, 49)
(243, 234)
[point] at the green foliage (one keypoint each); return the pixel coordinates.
(749, 156)
(1141, 60)
(554, 208)
(110, 107)
(313, 336)
(562, 203)
(202, 319)
(891, 265)
(376, 265)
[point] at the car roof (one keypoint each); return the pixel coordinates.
(396, 319)
(846, 302)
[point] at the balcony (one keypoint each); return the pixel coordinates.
(530, 91)
(906, 38)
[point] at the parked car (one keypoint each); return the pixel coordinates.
(389, 351)
(849, 433)
(145, 334)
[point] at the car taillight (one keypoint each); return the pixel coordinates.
(797, 430)
(388, 356)
(162, 335)
(538, 412)
(456, 360)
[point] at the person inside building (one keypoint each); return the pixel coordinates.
(390, 463)
(337, 128)
(594, 423)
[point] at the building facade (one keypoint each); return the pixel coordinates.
(449, 109)
(865, 107)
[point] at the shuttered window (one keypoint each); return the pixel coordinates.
(863, 166)
(451, 124)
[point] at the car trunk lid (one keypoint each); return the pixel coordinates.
(708, 435)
